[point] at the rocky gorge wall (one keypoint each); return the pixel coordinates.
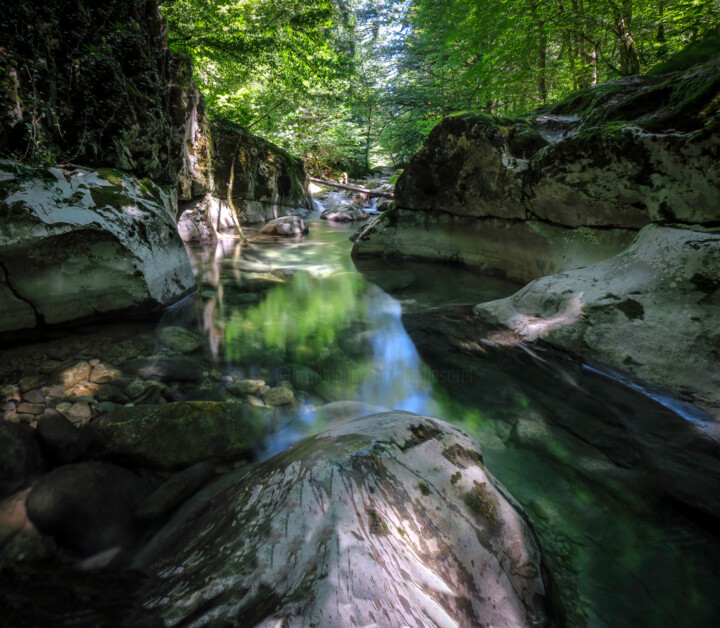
(608, 203)
(101, 130)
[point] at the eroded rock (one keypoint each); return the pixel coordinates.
(391, 516)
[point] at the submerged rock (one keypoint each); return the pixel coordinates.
(79, 244)
(391, 518)
(179, 434)
(288, 226)
(651, 310)
(179, 339)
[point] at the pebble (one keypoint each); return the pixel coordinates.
(102, 374)
(255, 401)
(76, 374)
(78, 412)
(246, 387)
(50, 366)
(31, 408)
(34, 396)
(10, 393)
(29, 382)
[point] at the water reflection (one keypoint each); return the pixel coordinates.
(570, 445)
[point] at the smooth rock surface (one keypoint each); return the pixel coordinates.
(346, 213)
(388, 520)
(81, 244)
(651, 310)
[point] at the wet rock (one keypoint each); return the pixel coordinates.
(87, 507)
(347, 213)
(246, 387)
(382, 526)
(29, 382)
(108, 392)
(10, 393)
(179, 339)
(628, 310)
(178, 434)
(287, 226)
(76, 374)
(34, 396)
(77, 412)
(63, 442)
(176, 490)
(102, 374)
(177, 369)
(20, 456)
(278, 396)
(31, 408)
(88, 244)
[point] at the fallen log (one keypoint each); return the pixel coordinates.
(352, 188)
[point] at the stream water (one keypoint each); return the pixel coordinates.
(566, 441)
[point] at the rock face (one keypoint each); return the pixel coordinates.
(235, 177)
(389, 520)
(651, 310)
(567, 186)
(93, 85)
(79, 244)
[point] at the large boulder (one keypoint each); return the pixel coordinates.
(651, 310)
(179, 434)
(346, 213)
(94, 85)
(566, 186)
(87, 507)
(390, 519)
(81, 244)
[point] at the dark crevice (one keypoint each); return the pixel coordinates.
(39, 318)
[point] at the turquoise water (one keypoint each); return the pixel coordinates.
(579, 450)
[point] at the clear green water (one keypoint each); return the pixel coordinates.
(567, 443)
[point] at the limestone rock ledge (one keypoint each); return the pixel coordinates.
(652, 310)
(564, 186)
(77, 244)
(390, 519)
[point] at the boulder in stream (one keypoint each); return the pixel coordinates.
(346, 213)
(287, 226)
(391, 519)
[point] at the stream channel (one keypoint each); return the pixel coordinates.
(588, 456)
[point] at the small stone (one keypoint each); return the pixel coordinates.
(179, 339)
(8, 407)
(12, 417)
(9, 393)
(78, 412)
(102, 374)
(255, 401)
(75, 374)
(31, 408)
(50, 366)
(137, 388)
(27, 419)
(83, 389)
(34, 396)
(246, 387)
(55, 391)
(63, 407)
(278, 396)
(51, 412)
(94, 362)
(30, 382)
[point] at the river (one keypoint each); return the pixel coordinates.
(578, 448)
